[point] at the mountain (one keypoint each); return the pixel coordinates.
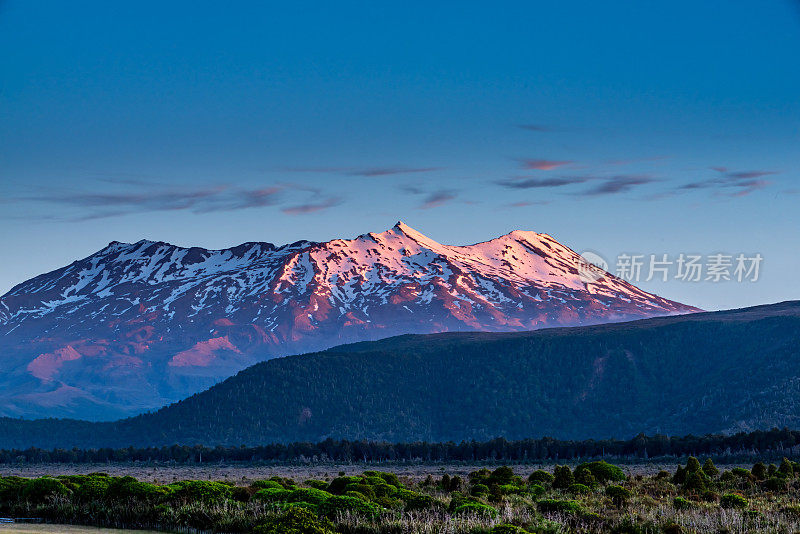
(136, 326)
(700, 373)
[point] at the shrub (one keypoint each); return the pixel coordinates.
(710, 469)
(296, 521)
(759, 471)
(672, 528)
(680, 503)
(692, 465)
(364, 489)
(501, 476)
(389, 478)
(200, 490)
(619, 495)
(93, 489)
(127, 488)
(540, 476)
(474, 508)
(510, 489)
(562, 477)
(733, 500)
(741, 472)
(339, 484)
(557, 506)
(585, 477)
(38, 490)
(579, 489)
(267, 484)
(419, 501)
(695, 482)
(11, 487)
(272, 494)
(339, 504)
(786, 468)
(312, 495)
(536, 490)
(479, 489)
(775, 484)
(316, 484)
(507, 529)
(603, 471)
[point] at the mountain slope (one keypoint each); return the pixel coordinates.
(700, 373)
(136, 326)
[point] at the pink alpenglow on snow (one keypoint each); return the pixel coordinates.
(135, 326)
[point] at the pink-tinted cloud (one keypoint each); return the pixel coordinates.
(543, 164)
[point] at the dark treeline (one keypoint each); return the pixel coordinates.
(760, 444)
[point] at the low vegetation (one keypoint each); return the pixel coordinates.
(591, 497)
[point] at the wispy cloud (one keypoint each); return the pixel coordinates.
(613, 185)
(386, 171)
(732, 183)
(438, 198)
(537, 183)
(192, 199)
(367, 172)
(527, 203)
(542, 164)
(312, 207)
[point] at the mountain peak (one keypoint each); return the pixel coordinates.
(180, 319)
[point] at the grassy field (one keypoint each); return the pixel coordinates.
(243, 475)
(592, 498)
(21, 528)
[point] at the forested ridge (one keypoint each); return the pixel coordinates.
(703, 373)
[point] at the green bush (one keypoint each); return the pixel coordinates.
(558, 506)
(775, 484)
(38, 490)
(478, 509)
(479, 489)
(340, 504)
(317, 484)
(267, 484)
(295, 521)
(92, 489)
(733, 500)
(759, 471)
(619, 495)
(536, 490)
(786, 468)
(603, 471)
(710, 469)
(695, 481)
(364, 489)
(272, 495)
(389, 478)
(692, 465)
(681, 503)
(540, 476)
(311, 495)
(200, 490)
(562, 477)
(418, 501)
(507, 529)
(11, 488)
(128, 488)
(501, 476)
(579, 489)
(339, 484)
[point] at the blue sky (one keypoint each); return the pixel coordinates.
(624, 127)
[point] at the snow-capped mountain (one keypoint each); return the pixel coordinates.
(135, 326)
